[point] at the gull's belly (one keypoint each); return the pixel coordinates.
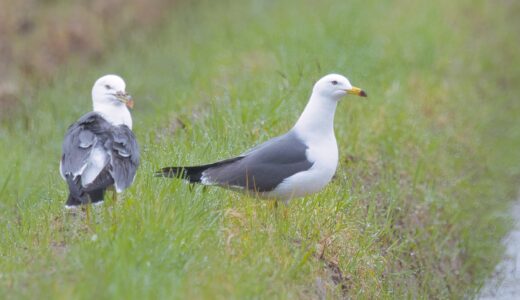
(313, 180)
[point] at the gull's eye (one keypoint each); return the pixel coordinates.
(107, 86)
(334, 82)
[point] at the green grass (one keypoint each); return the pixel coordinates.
(428, 163)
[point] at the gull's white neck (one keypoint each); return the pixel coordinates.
(115, 114)
(317, 119)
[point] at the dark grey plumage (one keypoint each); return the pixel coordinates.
(260, 169)
(97, 155)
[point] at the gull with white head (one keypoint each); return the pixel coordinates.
(298, 163)
(100, 150)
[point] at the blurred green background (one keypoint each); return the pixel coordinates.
(429, 162)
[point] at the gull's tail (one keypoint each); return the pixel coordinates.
(193, 174)
(78, 195)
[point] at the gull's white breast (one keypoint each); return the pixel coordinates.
(115, 114)
(324, 155)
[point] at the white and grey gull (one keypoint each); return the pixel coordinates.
(100, 150)
(298, 163)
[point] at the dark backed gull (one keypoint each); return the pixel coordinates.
(295, 164)
(99, 150)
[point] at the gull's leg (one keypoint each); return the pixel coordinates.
(272, 204)
(87, 212)
(283, 210)
(286, 209)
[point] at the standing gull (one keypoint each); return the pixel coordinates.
(99, 150)
(295, 164)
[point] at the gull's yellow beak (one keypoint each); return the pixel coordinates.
(357, 91)
(125, 98)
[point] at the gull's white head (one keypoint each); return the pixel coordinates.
(335, 86)
(111, 100)
(110, 90)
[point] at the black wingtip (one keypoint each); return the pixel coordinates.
(76, 195)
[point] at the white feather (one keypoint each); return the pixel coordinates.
(97, 160)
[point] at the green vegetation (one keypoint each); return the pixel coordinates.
(429, 161)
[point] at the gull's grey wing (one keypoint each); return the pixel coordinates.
(97, 155)
(82, 139)
(264, 167)
(124, 157)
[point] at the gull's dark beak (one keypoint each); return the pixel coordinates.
(356, 91)
(125, 98)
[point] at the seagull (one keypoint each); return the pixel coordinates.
(296, 164)
(100, 150)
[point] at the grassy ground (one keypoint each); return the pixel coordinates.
(428, 161)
